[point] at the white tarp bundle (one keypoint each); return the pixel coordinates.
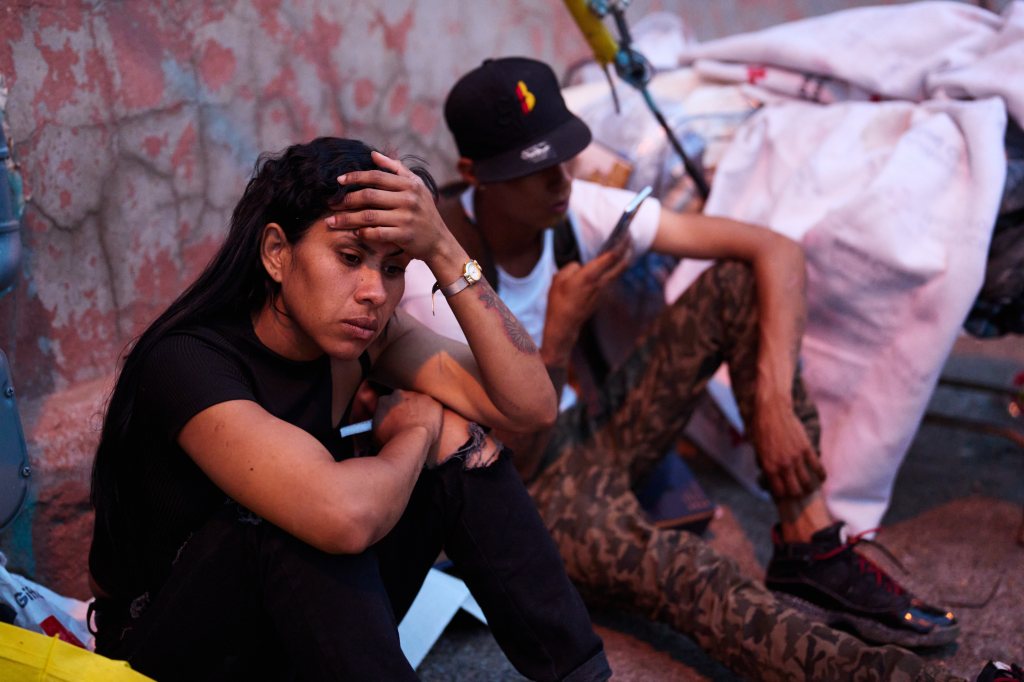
(893, 199)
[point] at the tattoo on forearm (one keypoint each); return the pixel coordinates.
(513, 329)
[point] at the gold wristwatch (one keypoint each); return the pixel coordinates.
(471, 274)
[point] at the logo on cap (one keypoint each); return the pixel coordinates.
(526, 98)
(536, 153)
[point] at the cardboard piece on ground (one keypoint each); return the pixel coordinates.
(438, 601)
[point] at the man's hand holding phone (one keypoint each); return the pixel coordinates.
(620, 233)
(577, 289)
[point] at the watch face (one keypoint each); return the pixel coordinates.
(473, 272)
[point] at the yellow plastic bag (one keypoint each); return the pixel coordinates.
(31, 657)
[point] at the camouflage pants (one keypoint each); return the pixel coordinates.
(585, 497)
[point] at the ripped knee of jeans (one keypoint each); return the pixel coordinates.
(480, 449)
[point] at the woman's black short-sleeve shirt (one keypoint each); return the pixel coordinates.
(166, 493)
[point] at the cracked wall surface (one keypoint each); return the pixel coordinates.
(136, 124)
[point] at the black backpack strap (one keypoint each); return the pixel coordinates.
(567, 250)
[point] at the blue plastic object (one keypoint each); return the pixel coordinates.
(14, 468)
(10, 226)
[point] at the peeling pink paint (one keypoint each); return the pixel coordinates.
(138, 56)
(399, 99)
(183, 159)
(570, 45)
(158, 282)
(196, 255)
(211, 13)
(12, 30)
(65, 198)
(98, 76)
(268, 11)
(85, 345)
(326, 33)
(423, 118)
(365, 92)
(154, 144)
(60, 85)
(538, 36)
(216, 65)
(395, 35)
(282, 87)
(63, 16)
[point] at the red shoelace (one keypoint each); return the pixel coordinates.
(866, 566)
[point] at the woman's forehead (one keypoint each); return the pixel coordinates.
(351, 237)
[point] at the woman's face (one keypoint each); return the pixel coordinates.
(339, 291)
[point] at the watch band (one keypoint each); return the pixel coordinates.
(448, 291)
(452, 289)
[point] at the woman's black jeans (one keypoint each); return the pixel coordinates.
(246, 600)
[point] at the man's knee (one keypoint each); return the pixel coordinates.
(734, 293)
(734, 277)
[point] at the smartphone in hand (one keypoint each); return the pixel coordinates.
(621, 230)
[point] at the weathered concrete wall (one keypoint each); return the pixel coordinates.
(136, 124)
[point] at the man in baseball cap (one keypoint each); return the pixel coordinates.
(515, 213)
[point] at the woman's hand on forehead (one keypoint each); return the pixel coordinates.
(394, 205)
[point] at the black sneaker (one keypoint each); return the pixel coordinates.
(994, 671)
(832, 583)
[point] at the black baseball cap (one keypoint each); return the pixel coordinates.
(508, 117)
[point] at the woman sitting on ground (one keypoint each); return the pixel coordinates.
(236, 536)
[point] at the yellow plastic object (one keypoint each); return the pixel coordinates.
(27, 656)
(597, 36)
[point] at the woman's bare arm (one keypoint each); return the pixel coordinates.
(283, 474)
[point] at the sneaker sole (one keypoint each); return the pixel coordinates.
(872, 630)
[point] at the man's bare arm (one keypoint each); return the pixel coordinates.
(789, 460)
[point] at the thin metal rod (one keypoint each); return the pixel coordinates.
(699, 181)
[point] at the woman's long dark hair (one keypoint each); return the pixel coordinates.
(293, 189)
